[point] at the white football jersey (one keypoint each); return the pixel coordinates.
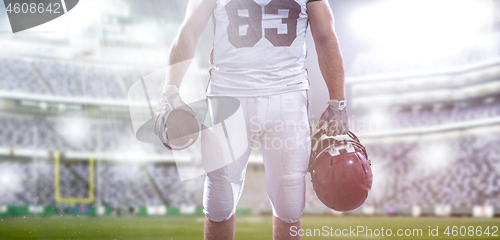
(259, 47)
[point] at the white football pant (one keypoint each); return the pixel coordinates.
(282, 121)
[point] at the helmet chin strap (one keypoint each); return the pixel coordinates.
(182, 146)
(174, 147)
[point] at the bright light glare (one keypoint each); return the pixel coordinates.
(422, 28)
(379, 119)
(74, 130)
(9, 181)
(436, 156)
(85, 15)
(380, 180)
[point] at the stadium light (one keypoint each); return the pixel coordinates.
(422, 29)
(75, 130)
(9, 181)
(379, 118)
(435, 156)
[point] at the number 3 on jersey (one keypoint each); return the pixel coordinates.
(246, 20)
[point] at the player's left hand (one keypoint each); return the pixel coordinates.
(336, 117)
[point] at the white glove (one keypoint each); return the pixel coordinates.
(336, 117)
(170, 100)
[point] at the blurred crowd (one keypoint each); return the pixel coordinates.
(461, 169)
(68, 79)
(115, 185)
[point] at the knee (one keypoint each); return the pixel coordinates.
(220, 198)
(218, 213)
(289, 199)
(290, 216)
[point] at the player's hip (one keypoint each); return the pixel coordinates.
(251, 84)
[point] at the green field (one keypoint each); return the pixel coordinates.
(177, 228)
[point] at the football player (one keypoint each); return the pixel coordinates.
(258, 57)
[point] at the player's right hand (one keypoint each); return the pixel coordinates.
(336, 119)
(170, 100)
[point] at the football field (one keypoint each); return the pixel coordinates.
(323, 227)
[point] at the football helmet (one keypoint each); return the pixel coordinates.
(340, 171)
(183, 125)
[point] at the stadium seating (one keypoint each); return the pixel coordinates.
(73, 79)
(117, 185)
(406, 172)
(467, 174)
(51, 135)
(426, 118)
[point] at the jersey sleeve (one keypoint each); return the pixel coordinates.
(308, 1)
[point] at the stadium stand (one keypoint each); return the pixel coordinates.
(118, 185)
(123, 185)
(173, 191)
(17, 75)
(406, 173)
(51, 134)
(73, 79)
(409, 119)
(465, 172)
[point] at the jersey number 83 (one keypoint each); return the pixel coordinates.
(247, 19)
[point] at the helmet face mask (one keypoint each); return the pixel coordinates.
(335, 150)
(340, 172)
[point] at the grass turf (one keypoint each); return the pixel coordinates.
(178, 228)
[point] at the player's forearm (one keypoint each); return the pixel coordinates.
(331, 66)
(184, 46)
(180, 56)
(329, 57)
